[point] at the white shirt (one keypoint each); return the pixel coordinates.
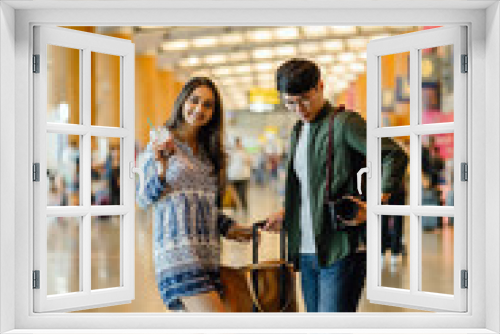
(307, 245)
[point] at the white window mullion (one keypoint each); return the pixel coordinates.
(415, 186)
(127, 104)
(392, 210)
(108, 210)
(40, 156)
(391, 132)
(372, 225)
(67, 129)
(460, 156)
(86, 236)
(420, 210)
(432, 129)
(86, 252)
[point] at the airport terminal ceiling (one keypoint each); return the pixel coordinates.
(242, 58)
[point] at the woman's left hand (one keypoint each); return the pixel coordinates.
(240, 233)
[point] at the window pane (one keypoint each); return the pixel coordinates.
(63, 85)
(437, 169)
(106, 90)
(63, 169)
(106, 258)
(395, 85)
(63, 255)
(437, 84)
(395, 255)
(437, 255)
(105, 171)
(400, 193)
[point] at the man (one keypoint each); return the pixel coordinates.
(332, 268)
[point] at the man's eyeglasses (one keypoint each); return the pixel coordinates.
(304, 100)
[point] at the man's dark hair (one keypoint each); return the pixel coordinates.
(297, 76)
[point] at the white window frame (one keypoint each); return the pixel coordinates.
(484, 49)
(413, 43)
(85, 43)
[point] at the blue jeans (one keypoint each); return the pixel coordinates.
(336, 288)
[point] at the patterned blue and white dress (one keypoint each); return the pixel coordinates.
(186, 228)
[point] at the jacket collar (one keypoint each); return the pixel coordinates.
(323, 113)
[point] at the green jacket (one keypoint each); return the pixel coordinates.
(349, 155)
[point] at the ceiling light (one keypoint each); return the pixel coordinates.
(238, 56)
(372, 28)
(347, 57)
(343, 30)
(229, 81)
(188, 62)
(245, 79)
(264, 67)
(323, 69)
(266, 77)
(379, 36)
(231, 38)
(333, 44)
(152, 27)
(315, 31)
(338, 69)
(287, 50)
(201, 73)
(243, 69)
(260, 35)
(340, 85)
(175, 45)
(325, 59)
(263, 53)
(350, 76)
(239, 95)
(357, 43)
(215, 59)
(278, 63)
(357, 67)
(240, 104)
(309, 47)
(221, 71)
(286, 33)
(205, 41)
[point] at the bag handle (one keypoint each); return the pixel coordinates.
(253, 293)
(253, 280)
(255, 250)
(341, 108)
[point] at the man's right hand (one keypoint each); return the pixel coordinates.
(275, 222)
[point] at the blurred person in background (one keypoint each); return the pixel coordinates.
(432, 167)
(239, 171)
(333, 268)
(185, 172)
(114, 182)
(260, 167)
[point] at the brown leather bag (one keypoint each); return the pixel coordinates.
(260, 287)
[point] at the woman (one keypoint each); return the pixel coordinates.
(185, 178)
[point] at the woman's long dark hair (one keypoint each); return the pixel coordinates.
(210, 136)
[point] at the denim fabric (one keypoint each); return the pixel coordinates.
(336, 288)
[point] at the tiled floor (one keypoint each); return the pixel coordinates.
(437, 259)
